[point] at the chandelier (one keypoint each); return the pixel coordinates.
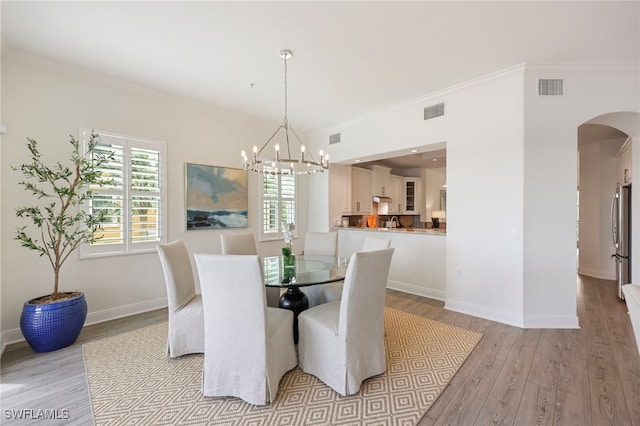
(284, 163)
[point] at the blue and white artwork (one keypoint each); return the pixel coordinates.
(217, 197)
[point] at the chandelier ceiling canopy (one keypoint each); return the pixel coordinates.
(283, 162)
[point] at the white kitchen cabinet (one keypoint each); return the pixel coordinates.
(381, 180)
(419, 199)
(412, 195)
(397, 195)
(346, 189)
(362, 188)
(357, 193)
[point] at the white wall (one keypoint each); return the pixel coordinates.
(334, 197)
(418, 265)
(317, 193)
(510, 155)
(48, 101)
(484, 166)
(484, 205)
(598, 177)
(551, 174)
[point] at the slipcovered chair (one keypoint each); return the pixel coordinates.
(245, 243)
(342, 342)
(319, 244)
(186, 320)
(375, 243)
(248, 346)
(333, 291)
(239, 243)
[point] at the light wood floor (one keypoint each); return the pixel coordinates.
(589, 376)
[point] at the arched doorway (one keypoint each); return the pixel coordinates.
(599, 143)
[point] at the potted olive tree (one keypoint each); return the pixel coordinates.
(57, 227)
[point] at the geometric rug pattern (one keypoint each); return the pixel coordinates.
(132, 382)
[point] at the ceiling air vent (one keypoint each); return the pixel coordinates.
(334, 138)
(434, 111)
(551, 87)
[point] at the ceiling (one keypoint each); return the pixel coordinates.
(350, 59)
(588, 133)
(425, 160)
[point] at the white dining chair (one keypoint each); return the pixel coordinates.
(245, 243)
(248, 346)
(238, 243)
(371, 243)
(186, 320)
(319, 244)
(342, 342)
(333, 291)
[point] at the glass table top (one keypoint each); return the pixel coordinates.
(306, 271)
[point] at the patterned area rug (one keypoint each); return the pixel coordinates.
(132, 381)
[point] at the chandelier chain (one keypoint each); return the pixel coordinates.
(286, 119)
(285, 90)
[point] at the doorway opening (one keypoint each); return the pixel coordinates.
(605, 158)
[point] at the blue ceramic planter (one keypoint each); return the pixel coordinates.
(53, 326)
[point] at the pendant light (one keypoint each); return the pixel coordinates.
(284, 163)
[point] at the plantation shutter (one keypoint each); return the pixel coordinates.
(145, 196)
(134, 199)
(111, 197)
(278, 204)
(287, 199)
(270, 223)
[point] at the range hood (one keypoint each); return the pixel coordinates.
(381, 199)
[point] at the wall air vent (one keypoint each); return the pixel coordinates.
(334, 138)
(550, 87)
(434, 111)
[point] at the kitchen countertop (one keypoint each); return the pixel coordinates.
(428, 231)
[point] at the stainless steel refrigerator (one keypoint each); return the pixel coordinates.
(621, 233)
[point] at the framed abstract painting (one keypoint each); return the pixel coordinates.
(216, 197)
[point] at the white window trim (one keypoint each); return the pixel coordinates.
(86, 251)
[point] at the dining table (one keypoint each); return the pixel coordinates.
(302, 271)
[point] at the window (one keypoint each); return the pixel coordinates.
(134, 200)
(278, 204)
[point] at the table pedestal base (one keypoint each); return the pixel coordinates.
(295, 300)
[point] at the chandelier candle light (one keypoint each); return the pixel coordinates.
(288, 165)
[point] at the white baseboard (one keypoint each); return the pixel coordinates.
(503, 317)
(603, 275)
(457, 306)
(551, 321)
(125, 311)
(417, 290)
(527, 321)
(15, 335)
(11, 336)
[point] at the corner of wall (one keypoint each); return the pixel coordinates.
(485, 312)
